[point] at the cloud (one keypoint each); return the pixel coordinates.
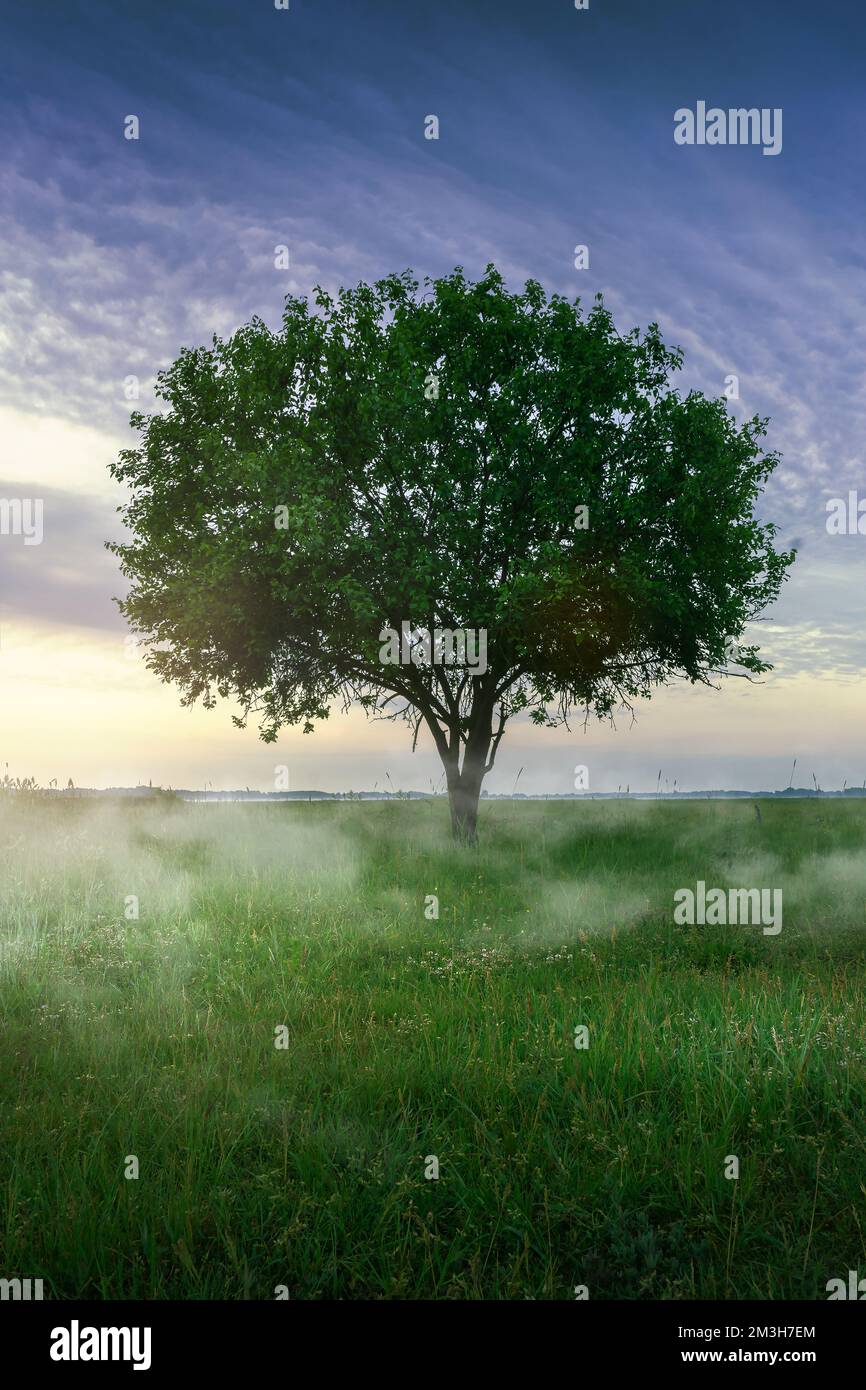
(68, 580)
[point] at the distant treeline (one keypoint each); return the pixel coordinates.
(248, 794)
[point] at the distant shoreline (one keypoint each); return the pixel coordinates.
(186, 794)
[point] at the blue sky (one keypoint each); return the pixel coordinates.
(305, 127)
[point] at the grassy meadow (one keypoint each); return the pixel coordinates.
(304, 1165)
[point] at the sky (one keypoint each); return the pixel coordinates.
(305, 127)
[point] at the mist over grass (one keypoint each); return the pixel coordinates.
(410, 1037)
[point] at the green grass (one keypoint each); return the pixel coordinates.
(305, 1167)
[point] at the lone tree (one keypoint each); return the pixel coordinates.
(463, 459)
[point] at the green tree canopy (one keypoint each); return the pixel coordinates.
(395, 456)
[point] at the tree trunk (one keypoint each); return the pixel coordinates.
(464, 790)
(464, 784)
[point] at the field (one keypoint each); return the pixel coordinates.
(408, 1038)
